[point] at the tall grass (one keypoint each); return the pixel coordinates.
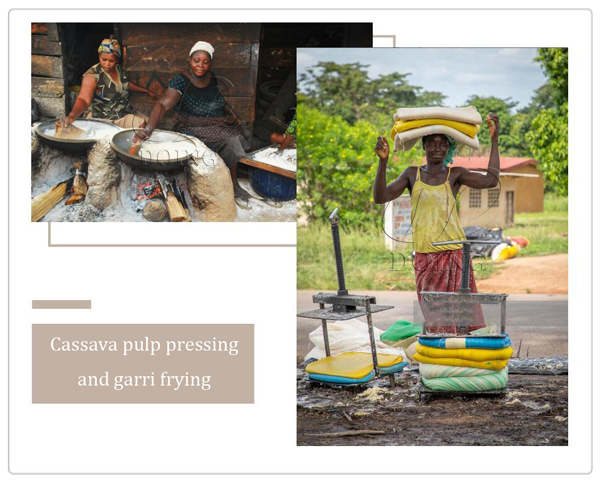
(369, 265)
(555, 203)
(547, 231)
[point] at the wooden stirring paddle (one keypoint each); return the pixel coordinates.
(69, 132)
(135, 148)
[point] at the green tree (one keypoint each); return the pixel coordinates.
(348, 91)
(343, 90)
(555, 63)
(337, 166)
(509, 142)
(549, 133)
(543, 99)
(548, 141)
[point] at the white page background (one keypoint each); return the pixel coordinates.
(257, 285)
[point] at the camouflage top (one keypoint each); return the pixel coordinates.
(111, 99)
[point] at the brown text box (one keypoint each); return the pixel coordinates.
(213, 363)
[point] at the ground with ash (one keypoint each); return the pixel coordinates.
(56, 166)
(532, 412)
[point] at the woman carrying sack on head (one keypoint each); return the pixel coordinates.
(433, 189)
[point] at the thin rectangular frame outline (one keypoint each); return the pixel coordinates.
(393, 37)
(50, 244)
(328, 473)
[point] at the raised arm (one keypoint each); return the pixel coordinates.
(382, 192)
(491, 177)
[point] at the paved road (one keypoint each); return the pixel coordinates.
(539, 320)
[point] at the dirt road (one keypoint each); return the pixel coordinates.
(537, 322)
(530, 275)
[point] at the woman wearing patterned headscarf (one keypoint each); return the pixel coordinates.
(105, 91)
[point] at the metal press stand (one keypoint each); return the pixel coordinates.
(344, 306)
(463, 299)
(462, 302)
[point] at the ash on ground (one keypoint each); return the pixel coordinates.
(52, 166)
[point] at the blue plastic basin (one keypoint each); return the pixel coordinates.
(273, 186)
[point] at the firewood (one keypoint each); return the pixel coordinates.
(188, 217)
(74, 199)
(42, 203)
(174, 206)
(181, 198)
(79, 185)
(175, 209)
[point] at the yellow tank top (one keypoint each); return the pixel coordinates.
(434, 216)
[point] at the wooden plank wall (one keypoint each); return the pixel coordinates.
(529, 190)
(47, 71)
(489, 217)
(153, 53)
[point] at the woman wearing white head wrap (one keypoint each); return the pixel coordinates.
(204, 46)
(203, 112)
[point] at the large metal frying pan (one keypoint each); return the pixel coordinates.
(180, 151)
(45, 132)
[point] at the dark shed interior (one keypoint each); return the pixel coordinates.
(255, 63)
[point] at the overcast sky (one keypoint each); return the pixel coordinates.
(456, 72)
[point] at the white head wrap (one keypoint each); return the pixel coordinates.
(207, 47)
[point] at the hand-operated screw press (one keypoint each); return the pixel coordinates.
(459, 306)
(342, 306)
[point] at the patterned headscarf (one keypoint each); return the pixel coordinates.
(110, 45)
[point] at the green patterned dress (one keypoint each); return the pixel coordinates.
(111, 99)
